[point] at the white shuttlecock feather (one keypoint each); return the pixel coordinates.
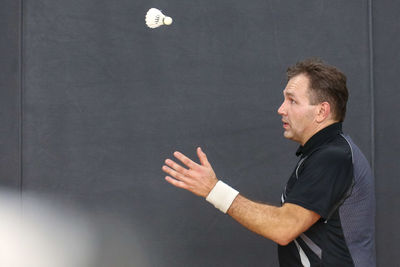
(155, 18)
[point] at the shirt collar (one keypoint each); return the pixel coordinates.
(319, 138)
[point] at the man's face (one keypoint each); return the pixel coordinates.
(298, 115)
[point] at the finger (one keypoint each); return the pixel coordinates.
(203, 157)
(172, 164)
(185, 160)
(174, 173)
(176, 183)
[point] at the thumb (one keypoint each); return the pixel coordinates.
(203, 158)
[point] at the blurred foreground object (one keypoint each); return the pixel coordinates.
(39, 232)
(34, 234)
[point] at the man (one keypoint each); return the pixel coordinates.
(328, 205)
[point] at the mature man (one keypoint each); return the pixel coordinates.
(328, 205)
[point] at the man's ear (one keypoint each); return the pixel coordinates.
(323, 112)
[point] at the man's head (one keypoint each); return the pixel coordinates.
(315, 97)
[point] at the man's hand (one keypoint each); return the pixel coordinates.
(198, 178)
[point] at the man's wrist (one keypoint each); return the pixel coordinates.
(222, 196)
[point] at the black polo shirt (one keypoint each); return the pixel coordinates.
(324, 182)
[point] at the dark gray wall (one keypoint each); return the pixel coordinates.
(387, 128)
(105, 100)
(10, 93)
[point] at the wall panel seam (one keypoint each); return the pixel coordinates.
(21, 94)
(371, 82)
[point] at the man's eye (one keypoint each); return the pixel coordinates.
(293, 101)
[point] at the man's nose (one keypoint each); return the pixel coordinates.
(281, 109)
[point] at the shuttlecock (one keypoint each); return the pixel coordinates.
(155, 18)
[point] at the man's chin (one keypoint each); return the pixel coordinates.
(287, 135)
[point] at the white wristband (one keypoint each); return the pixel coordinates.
(222, 196)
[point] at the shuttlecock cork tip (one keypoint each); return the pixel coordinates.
(167, 20)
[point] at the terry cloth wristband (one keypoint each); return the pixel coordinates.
(222, 196)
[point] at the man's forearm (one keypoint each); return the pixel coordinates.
(280, 224)
(276, 223)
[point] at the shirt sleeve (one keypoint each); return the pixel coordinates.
(323, 180)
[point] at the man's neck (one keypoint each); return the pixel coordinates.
(317, 128)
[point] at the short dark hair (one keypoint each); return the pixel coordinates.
(327, 83)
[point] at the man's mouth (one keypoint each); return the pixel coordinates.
(285, 124)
